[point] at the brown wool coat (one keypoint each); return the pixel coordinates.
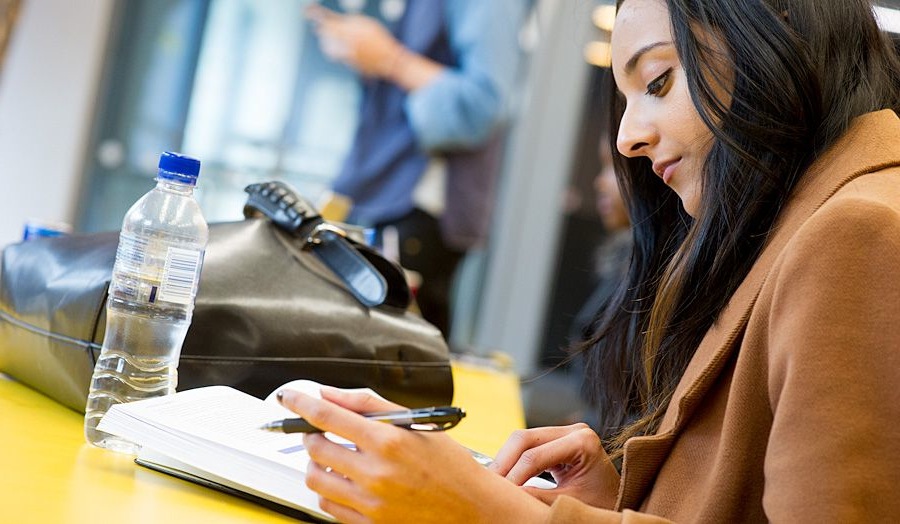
(790, 409)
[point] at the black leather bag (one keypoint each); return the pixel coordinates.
(268, 310)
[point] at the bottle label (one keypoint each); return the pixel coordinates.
(180, 275)
(126, 279)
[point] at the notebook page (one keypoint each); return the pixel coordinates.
(215, 430)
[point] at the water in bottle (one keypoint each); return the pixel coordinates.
(151, 297)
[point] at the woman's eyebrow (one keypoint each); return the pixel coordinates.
(636, 57)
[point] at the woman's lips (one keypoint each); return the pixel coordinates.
(670, 171)
(666, 170)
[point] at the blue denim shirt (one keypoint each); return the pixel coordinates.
(459, 112)
(484, 39)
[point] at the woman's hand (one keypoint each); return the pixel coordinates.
(398, 475)
(572, 454)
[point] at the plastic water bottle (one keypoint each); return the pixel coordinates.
(151, 297)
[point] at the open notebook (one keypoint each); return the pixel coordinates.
(211, 436)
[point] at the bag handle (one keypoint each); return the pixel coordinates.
(294, 214)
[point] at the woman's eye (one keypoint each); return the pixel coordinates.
(656, 87)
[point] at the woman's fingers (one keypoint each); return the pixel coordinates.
(337, 495)
(329, 483)
(331, 417)
(332, 454)
(342, 513)
(566, 450)
(523, 440)
(358, 402)
(547, 496)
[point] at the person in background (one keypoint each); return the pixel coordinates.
(613, 258)
(426, 155)
(614, 252)
(559, 396)
(751, 363)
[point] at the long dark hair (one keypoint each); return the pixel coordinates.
(802, 70)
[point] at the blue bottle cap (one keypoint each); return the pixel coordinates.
(42, 229)
(179, 168)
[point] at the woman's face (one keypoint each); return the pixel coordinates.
(660, 121)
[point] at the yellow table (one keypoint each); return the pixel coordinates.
(50, 475)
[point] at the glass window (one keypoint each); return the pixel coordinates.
(266, 104)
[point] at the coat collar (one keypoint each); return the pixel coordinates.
(870, 144)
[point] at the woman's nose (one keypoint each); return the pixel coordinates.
(635, 135)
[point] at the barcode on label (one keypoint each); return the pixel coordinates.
(180, 275)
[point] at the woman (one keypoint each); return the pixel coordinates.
(749, 370)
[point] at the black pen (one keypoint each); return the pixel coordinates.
(422, 419)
